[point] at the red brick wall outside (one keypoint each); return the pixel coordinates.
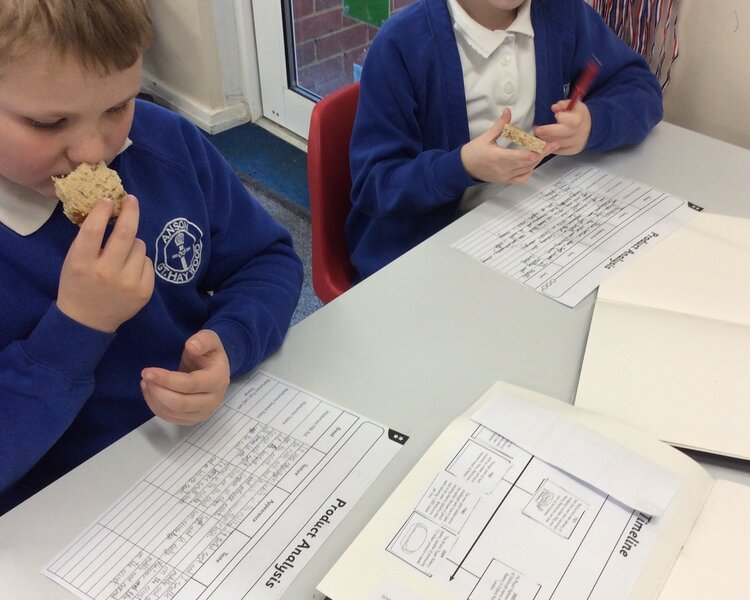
(328, 43)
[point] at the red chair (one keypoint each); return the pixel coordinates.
(329, 182)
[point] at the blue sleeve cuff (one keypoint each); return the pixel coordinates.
(236, 346)
(451, 177)
(66, 346)
(600, 128)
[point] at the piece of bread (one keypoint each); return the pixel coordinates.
(79, 190)
(520, 137)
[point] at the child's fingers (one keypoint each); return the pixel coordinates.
(139, 270)
(176, 401)
(203, 350)
(560, 106)
(568, 118)
(496, 130)
(134, 261)
(180, 382)
(120, 242)
(522, 158)
(178, 397)
(203, 342)
(154, 398)
(550, 148)
(148, 277)
(552, 132)
(545, 132)
(522, 178)
(91, 234)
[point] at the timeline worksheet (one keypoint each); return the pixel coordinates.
(564, 240)
(238, 508)
(464, 531)
(523, 497)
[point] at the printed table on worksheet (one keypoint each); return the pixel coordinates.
(566, 239)
(238, 508)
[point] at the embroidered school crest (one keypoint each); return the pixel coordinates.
(178, 251)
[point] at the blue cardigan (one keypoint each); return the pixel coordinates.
(407, 175)
(67, 391)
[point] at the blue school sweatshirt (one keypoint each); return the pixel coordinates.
(221, 262)
(411, 122)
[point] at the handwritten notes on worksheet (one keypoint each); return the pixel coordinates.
(238, 508)
(564, 240)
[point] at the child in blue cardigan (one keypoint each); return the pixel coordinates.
(440, 81)
(104, 326)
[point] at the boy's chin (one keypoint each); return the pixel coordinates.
(47, 190)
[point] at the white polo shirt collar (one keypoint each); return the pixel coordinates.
(485, 41)
(24, 210)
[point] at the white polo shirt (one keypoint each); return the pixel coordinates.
(499, 69)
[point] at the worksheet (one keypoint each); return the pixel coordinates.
(239, 507)
(564, 240)
(463, 532)
(517, 501)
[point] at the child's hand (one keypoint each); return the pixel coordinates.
(572, 130)
(102, 287)
(193, 393)
(483, 159)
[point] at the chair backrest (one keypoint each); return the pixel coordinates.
(329, 182)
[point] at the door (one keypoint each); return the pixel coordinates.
(309, 48)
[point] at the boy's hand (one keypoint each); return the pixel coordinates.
(572, 130)
(193, 393)
(102, 287)
(483, 159)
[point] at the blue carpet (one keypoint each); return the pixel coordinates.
(298, 225)
(275, 172)
(265, 158)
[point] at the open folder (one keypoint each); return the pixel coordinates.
(669, 344)
(526, 497)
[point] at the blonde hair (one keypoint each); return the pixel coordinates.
(104, 35)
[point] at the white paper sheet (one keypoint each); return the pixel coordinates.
(617, 471)
(481, 518)
(237, 508)
(566, 239)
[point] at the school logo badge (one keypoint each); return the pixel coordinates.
(178, 251)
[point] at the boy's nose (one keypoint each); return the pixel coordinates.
(90, 146)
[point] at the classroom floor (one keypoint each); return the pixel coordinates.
(275, 172)
(267, 159)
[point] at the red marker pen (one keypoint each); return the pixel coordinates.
(583, 83)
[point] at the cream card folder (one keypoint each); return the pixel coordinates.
(669, 344)
(524, 497)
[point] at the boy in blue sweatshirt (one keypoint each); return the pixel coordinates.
(439, 83)
(106, 325)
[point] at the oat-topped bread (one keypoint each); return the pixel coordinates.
(520, 137)
(88, 183)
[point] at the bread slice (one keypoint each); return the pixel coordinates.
(79, 190)
(520, 137)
